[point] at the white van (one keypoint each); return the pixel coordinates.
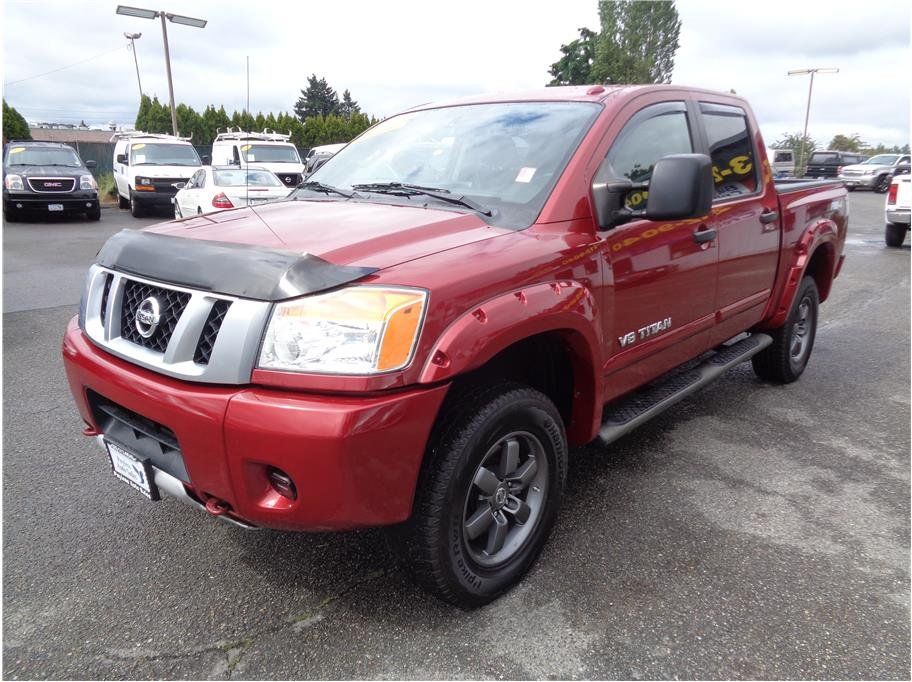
(782, 162)
(148, 166)
(269, 149)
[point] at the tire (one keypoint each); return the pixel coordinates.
(785, 360)
(136, 209)
(882, 184)
(177, 212)
(895, 235)
(122, 201)
(452, 544)
(849, 189)
(94, 214)
(11, 215)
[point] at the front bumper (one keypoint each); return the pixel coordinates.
(899, 216)
(354, 459)
(30, 202)
(866, 181)
(154, 198)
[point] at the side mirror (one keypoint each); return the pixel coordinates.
(207, 160)
(90, 164)
(121, 158)
(681, 187)
(179, 185)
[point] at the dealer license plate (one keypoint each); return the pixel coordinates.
(131, 470)
(55, 207)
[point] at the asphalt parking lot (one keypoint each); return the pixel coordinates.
(752, 531)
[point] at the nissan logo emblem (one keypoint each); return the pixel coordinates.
(148, 315)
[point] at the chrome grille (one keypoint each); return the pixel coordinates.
(210, 331)
(51, 185)
(171, 305)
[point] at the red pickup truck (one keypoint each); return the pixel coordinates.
(416, 336)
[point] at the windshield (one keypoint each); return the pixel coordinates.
(142, 154)
(239, 178)
(505, 156)
(270, 153)
(881, 160)
(822, 157)
(43, 156)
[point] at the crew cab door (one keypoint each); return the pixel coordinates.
(745, 217)
(661, 280)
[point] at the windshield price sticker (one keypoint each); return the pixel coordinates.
(17, 150)
(139, 146)
(525, 174)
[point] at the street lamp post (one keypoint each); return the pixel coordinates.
(807, 111)
(174, 18)
(133, 37)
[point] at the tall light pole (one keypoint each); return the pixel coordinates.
(175, 18)
(133, 37)
(807, 112)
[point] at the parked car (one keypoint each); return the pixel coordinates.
(148, 167)
(782, 162)
(874, 173)
(268, 149)
(213, 189)
(417, 337)
(317, 156)
(47, 178)
(827, 164)
(896, 210)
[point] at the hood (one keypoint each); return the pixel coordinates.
(163, 171)
(341, 232)
(46, 171)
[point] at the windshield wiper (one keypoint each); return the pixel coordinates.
(405, 190)
(315, 186)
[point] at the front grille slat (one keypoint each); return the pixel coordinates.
(210, 331)
(104, 296)
(51, 185)
(171, 306)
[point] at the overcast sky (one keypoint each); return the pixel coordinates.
(396, 53)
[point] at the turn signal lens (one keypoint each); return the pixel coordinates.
(359, 330)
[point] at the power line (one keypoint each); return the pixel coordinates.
(68, 66)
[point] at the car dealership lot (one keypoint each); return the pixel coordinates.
(751, 531)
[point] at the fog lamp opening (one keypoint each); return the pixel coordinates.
(282, 483)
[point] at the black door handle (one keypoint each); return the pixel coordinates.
(703, 236)
(769, 217)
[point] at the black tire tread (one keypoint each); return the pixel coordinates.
(894, 235)
(773, 363)
(463, 413)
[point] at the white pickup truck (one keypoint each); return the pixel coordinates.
(896, 211)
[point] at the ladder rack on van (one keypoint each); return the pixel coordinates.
(268, 135)
(130, 134)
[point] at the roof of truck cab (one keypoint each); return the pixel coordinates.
(566, 93)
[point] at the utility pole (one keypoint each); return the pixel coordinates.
(174, 18)
(807, 111)
(133, 37)
(248, 85)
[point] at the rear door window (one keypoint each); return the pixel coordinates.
(731, 150)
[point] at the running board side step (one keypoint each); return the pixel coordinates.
(642, 406)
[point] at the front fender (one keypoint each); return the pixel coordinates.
(567, 308)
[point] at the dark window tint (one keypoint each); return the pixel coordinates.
(824, 158)
(731, 150)
(654, 132)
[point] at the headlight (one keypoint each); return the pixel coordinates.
(359, 330)
(13, 181)
(869, 172)
(87, 182)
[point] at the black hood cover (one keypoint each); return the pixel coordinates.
(222, 267)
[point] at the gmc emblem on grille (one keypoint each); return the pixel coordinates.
(52, 184)
(147, 317)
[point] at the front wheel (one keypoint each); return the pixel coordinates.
(882, 184)
(488, 495)
(136, 209)
(786, 358)
(94, 214)
(122, 201)
(895, 235)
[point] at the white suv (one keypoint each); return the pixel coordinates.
(148, 167)
(874, 173)
(269, 150)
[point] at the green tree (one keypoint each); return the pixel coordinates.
(637, 42)
(801, 147)
(846, 143)
(575, 66)
(318, 99)
(348, 107)
(14, 126)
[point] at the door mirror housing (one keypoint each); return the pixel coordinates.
(122, 158)
(681, 187)
(180, 185)
(90, 164)
(207, 160)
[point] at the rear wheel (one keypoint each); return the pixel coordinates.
(895, 235)
(785, 360)
(488, 495)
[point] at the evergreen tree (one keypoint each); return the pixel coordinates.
(319, 99)
(575, 66)
(14, 125)
(348, 107)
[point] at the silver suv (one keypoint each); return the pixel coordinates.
(875, 173)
